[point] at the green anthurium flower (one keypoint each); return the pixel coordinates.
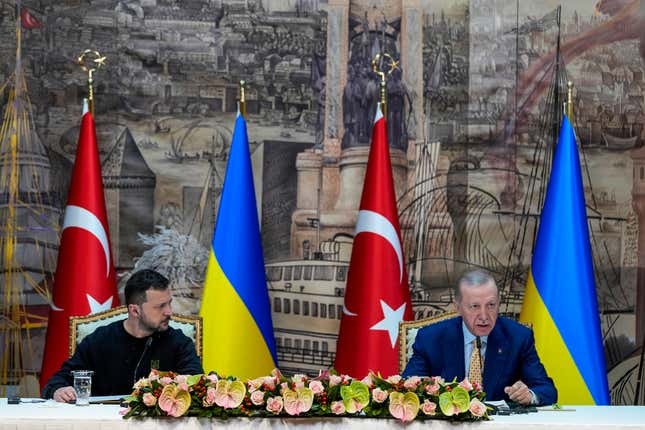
(355, 396)
(454, 402)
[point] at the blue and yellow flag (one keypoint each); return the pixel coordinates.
(238, 332)
(560, 298)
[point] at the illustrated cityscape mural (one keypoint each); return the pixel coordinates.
(473, 112)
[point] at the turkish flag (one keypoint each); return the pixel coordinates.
(377, 296)
(85, 280)
(28, 20)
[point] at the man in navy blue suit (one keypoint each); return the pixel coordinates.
(511, 367)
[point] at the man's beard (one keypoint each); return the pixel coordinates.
(144, 324)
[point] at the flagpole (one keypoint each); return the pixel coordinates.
(243, 98)
(383, 93)
(569, 107)
(376, 67)
(90, 65)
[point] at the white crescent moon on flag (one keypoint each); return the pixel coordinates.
(76, 216)
(372, 222)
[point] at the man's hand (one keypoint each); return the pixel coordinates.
(65, 394)
(519, 392)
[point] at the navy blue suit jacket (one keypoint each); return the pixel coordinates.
(510, 357)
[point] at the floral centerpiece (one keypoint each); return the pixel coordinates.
(329, 394)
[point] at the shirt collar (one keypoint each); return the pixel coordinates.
(469, 337)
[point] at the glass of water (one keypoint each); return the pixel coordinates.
(82, 386)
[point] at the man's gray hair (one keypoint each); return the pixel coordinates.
(473, 277)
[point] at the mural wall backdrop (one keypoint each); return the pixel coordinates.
(472, 114)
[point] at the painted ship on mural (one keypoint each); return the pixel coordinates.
(30, 209)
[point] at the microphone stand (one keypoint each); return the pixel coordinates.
(145, 349)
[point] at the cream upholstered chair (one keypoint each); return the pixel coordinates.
(408, 333)
(79, 327)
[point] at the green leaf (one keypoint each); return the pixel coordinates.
(193, 379)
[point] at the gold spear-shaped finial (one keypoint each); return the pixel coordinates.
(570, 101)
(90, 61)
(376, 67)
(243, 98)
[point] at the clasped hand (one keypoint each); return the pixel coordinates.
(65, 395)
(519, 392)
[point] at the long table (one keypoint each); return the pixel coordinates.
(57, 416)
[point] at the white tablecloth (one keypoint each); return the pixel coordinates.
(57, 416)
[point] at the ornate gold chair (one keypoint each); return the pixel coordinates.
(79, 327)
(408, 333)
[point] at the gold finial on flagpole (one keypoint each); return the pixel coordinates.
(90, 61)
(570, 101)
(243, 98)
(376, 68)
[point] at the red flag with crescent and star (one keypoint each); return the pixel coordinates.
(377, 296)
(85, 281)
(29, 21)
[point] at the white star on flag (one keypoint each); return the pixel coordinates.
(390, 321)
(96, 306)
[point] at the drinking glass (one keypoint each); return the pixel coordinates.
(82, 386)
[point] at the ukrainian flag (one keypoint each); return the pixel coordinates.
(560, 298)
(238, 332)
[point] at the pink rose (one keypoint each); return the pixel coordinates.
(181, 379)
(284, 386)
(394, 379)
(432, 389)
(209, 400)
(212, 378)
(412, 382)
(257, 397)
(334, 380)
(438, 379)
(275, 404)
(297, 385)
(124, 411)
(149, 399)
(379, 395)
(477, 386)
(466, 385)
(428, 407)
(338, 407)
(316, 387)
(165, 380)
(477, 408)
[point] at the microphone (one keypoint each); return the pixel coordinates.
(145, 349)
